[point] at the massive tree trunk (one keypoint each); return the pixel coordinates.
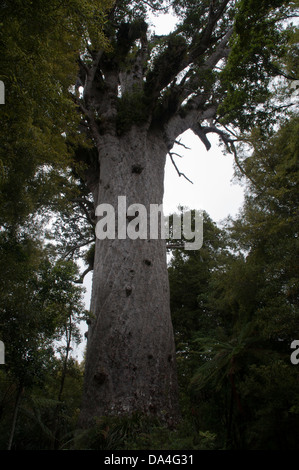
(130, 362)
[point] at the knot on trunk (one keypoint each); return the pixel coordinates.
(100, 377)
(137, 169)
(128, 291)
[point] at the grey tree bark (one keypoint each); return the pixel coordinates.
(130, 362)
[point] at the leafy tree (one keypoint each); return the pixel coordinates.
(39, 45)
(258, 292)
(268, 229)
(44, 423)
(38, 301)
(237, 380)
(190, 274)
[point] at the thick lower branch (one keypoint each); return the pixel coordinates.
(178, 124)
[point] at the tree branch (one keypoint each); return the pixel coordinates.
(178, 124)
(82, 275)
(76, 247)
(230, 145)
(234, 151)
(87, 213)
(194, 110)
(90, 75)
(190, 86)
(90, 117)
(178, 55)
(156, 8)
(174, 164)
(200, 132)
(178, 142)
(204, 42)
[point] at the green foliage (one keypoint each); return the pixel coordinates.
(259, 43)
(270, 226)
(140, 432)
(189, 276)
(39, 45)
(129, 10)
(132, 109)
(235, 307)
(40, 303)
(44, 422)
(39, 306)
(113, 433)
(178, 66)
(38, 298)
(269, 393)
(235, 313)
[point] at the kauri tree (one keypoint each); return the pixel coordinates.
(135, 98)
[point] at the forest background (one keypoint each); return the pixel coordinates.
(234, 303)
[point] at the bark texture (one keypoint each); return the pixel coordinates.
(130, 362)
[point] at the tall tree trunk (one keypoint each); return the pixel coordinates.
(130, 361)
(15, 415)
(58, 408)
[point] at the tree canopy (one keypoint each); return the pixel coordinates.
(39, 44)
(220, 59)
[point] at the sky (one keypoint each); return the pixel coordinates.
(213, 188)
(211, 172)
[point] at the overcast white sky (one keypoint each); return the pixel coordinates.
(211, 172)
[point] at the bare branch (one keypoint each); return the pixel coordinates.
(156, 8)
(82, 65)
(177, 154)
(230, 145)
(82, 275)
(90, 117)
(223, 135)
(178, 142)
(71, 250)
(234, 151)
(174, 164)
(87, 213)
(200, 132)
